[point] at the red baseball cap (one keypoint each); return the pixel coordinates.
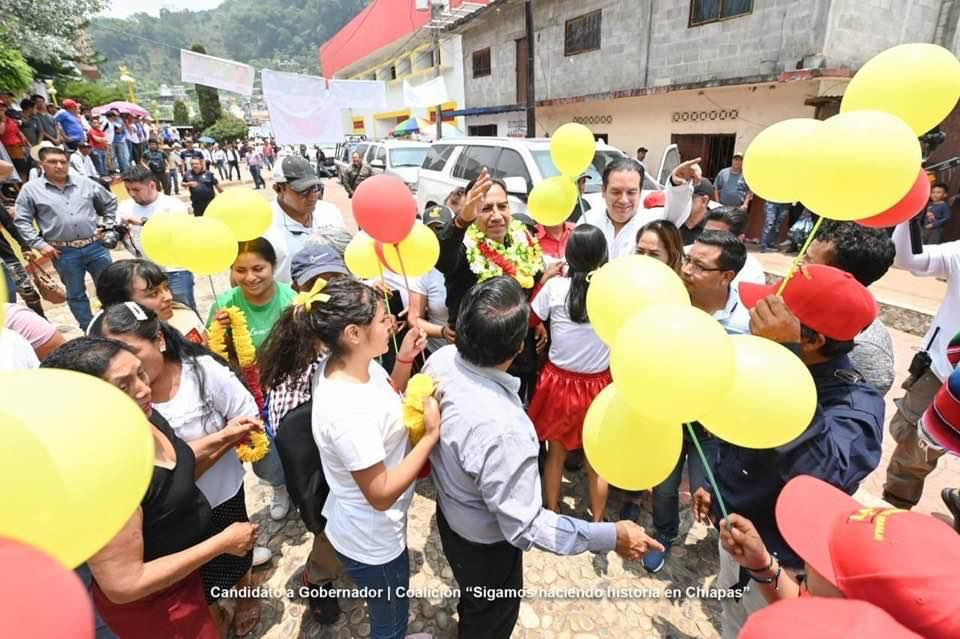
(906, 563)
(69, 104)
(824, 298)
(824, 618)
(656, 199)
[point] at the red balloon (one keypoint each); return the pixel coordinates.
(384, 207)
(911, 204)
(39, 597)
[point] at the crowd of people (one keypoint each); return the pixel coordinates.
(501, 327)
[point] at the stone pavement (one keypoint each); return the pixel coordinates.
(675, 603)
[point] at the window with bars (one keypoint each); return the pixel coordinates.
(481, 63)
(582, 34)
(707, 11)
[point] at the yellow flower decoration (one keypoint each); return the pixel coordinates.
(256, 450)
(242, 340)
(419, 388)
(305, 300)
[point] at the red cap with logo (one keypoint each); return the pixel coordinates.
(824, 618)
(824, 298)
(906, 563)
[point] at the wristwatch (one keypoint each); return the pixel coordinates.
(775, 579)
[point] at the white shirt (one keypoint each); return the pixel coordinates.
(573, 347)
(735, 316)
(288, 236)
(16, 354)
(751, 273)
(357, 426)
(433, 286)
(936, 259)
(128, 210)
(83, 165)
(624, 242)
(193, 417)
(219, 155)
(206, 154)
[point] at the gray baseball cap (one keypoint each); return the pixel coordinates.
(295, 171)
(313, 260)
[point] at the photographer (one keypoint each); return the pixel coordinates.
(67, 209)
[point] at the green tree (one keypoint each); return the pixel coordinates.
(90, 93)
(46, 31)
(180, 113)
(15, 74)
(227, 127)
(208, 97)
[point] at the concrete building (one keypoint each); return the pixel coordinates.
(707, 76)
(392, 41)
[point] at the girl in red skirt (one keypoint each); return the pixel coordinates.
(578, 367)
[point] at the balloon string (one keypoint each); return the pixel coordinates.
(403, 271)
(213, 290)
(386, 301)
(803, 252)
(709, 472)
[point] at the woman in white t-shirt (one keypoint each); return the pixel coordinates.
(368, 461)
(578, 367)
(199, 395)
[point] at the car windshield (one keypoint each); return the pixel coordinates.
(408, 157)
(595, 170)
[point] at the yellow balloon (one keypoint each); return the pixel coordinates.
(779, 157)
(672, 362)
(572, 147)
(246, 213)
(74, 469)
(624, 286)
(161, 234)
(551, 201)
(867, 161)
(414, 255)
(361, 257)
(772, 400)
(207, 246)
(626, 449)
(919, 83)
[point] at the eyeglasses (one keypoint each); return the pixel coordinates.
(698, 267)
(316, 188)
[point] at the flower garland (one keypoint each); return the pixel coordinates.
(522, 259)
(242, 343)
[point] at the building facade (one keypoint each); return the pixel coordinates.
(707, 75)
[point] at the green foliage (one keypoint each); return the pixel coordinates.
(180, 113)
(15, 74)
(46, 31)
(90, 93)
(208, 97)
(226, 128)
(276, 34)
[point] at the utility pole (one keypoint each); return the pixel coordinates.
(531, 75)
(435, 9)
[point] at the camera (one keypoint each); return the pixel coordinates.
(110, 238)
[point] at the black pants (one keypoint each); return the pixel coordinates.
(478, 567)
(233, 165)
(162, 181)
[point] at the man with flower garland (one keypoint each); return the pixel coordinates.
(484, 241)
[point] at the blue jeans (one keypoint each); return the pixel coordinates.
(101, 630)
(181, 285)
(666, 496)
(257, 178)
(121, 154)
(270, 469)
(173, 181)
(72, 265)
(388, 612)
(100, 161)
(773, 215)
(11, 284)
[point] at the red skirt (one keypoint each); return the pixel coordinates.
(179, 612)
(561, 401)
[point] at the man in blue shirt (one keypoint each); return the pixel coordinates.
(821, 312)
(731, 187)
(69, 119)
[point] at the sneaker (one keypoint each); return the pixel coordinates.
(280, 504)
(324, 607)
(654, 560)
(630, 511)
(261, 555)
(951, 497)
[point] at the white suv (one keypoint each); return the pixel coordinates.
(520, 162)
(394, 157)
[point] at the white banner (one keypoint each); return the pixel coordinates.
(359, 95)
(428, 94)
(301, 111)
(228, 75)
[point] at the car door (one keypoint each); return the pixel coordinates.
(434, 181)
(668, 162)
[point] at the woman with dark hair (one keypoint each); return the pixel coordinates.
(578, 367)
(661, 240)
(148, 285)
(200, 396)
(368, 461)
(146, 579)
